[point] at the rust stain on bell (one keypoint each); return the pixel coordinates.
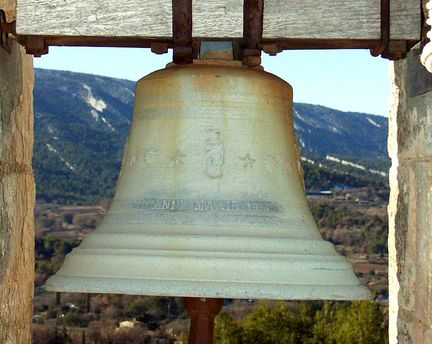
(212, 203)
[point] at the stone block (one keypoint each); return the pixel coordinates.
(410, 206)
(411, 109)
(411, 255)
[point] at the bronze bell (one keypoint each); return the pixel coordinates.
(210, 200)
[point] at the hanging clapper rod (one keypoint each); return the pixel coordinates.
(202, 312)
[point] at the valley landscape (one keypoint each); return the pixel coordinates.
(81, 124)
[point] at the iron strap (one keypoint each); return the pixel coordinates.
(383, 43)
(182, 31)
(253, 18)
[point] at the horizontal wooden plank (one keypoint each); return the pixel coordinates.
(217, 19)
(339, 19)
(406, 19)
(128, 18)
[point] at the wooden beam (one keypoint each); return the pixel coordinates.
(339, 19)
(218, 19)
(103, 18)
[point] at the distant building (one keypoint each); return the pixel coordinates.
(319, 194)
(130, 324)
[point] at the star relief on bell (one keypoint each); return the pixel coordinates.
(248, 161)
(178, 158)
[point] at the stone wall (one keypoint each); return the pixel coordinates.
(410, 207)
(17, 195)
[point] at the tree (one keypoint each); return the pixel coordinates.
(226, 330)
(267, 325)
(359, 322)
(278, 324)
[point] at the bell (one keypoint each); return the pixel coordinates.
(210, 201)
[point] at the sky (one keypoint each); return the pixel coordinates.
(347, 80)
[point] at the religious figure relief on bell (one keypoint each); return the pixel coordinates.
(215, 153)
(247, 160)
(150, 155)
(178, 158)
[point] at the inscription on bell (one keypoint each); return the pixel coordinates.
(216, 205)
(207, 205)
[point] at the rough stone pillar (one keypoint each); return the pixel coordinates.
(410, 207)
(17, 195)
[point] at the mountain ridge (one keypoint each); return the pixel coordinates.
(82, 120)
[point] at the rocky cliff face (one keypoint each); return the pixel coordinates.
(347, 135)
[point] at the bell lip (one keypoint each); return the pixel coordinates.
(225, 290)
(170, 273)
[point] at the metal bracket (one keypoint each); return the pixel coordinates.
(159, 48)
(396, 50)
(382, 45)
(36, 46)
(272, 49)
